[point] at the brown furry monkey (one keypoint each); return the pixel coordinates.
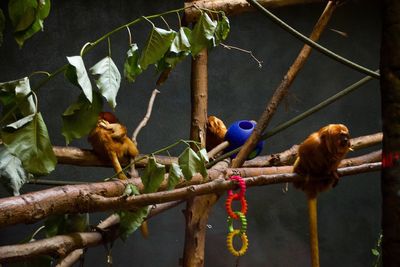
(216, 131)
(110, 142)
(317, 161)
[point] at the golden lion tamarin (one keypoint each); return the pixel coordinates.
(317, 161)
(216, 131)
(110, 142)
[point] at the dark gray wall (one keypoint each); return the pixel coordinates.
(349, 216)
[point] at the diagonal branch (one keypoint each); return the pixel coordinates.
(283, 88)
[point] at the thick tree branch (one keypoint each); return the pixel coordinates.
(29, 208)
(283, 88)
(235, 7)
(71, 244)
(288, 157)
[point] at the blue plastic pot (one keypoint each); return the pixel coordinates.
(237, 135)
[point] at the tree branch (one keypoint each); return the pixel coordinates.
(235, 7)
(283, 88)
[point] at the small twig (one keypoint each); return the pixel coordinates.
(216, 150)
(147, 116)
(166, 23)
(39, 72)
(245, 51)
(109, 46)
(129, 34)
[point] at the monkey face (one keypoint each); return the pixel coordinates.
(336, 138)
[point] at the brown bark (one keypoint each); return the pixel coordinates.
(198, 208)
(390, 101)
(69, 247)
(288, 156)
(283, 88)
(235, 7)
(29, 208)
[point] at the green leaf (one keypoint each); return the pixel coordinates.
(27, 17)
(131, 67)
(156, 46)
(153, 176)
(202, 153)
(174, 176)
(130, 221)
(2, 25)
(12, 175)
(66, 223)
(203, 34)
(375, 252)
(131, 190)
(16, 91)
(76, 73)
(189, 162)
(31, 144)
(181, 41)
(22, 13)
(81, 117)
(222, 31)
(109, 79)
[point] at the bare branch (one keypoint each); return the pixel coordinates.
(283, 88)
(259, 62)
(147, 116)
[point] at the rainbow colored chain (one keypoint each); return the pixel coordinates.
(237, 215)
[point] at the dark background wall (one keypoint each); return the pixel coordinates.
(349, 215)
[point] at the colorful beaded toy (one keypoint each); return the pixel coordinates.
(237, 215)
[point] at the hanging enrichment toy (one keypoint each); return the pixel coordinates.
(237, 135)
(237, 215)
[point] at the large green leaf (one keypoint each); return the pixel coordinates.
(2, 25)
(108, 80)
(153, 176)
(12, 175)
(130, 221)
(203, 34)
(16, 91)
(202, 153)
(189, 162)
(31, 144)
(27, 17)
(66, 223)
(81, 117)
(76, 73)
(157, 44)
(174, 176)
(222, 31)
(131, 67)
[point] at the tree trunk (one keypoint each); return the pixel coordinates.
(198, 208)
(390, 97)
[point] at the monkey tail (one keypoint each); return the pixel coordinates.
(144, 229)
(313, 224)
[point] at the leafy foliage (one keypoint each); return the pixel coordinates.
(80, 117)
(12, 174)
(203, 34)
(31, 144)
(15, 93)
(109, 79)
(131, 221)
(27, 17)
(76, 73)
(192, 163)
(131, 67)
(158, 42)
(153, 176)
(222, 30)
(66, 223)
(174, 176)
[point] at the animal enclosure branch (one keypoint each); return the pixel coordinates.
(235, 7)
(79, 240)
(31, 207)
(63, 245)
(283, 88)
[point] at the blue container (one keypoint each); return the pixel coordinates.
(237, 135)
